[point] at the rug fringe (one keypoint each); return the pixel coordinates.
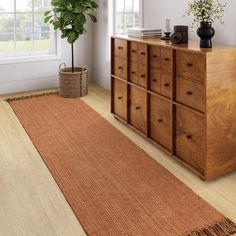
(31, 96)
(223, 228)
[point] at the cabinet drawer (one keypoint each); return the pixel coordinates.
(190, 138)
(142, 53)
(155, 57)
(120, 68)
(133, 52)
(190, 93)
(133, 72)
(191, 65)
(120, 98)
(142, 75)
(166, 59)
(138, 74)
(166, 83)
(161, 121)
(155, 80)
(137, 108)
(120, 48)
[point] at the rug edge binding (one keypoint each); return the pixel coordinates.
(22, 97)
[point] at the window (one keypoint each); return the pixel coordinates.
(128, 14)
(22, 28)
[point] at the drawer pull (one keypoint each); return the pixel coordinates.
(120, 48)
(167, 85)
(133, 72)
(189, 136)
(166, 59)
(154, 80)
(142, 53)
(189, 93)
(160, 120)
(120, 97)
(154, 56)
(137, 108)
(189, 64)
(142, 76)
(120, 67)
(133, 51)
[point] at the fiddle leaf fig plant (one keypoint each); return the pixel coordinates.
(70, 16)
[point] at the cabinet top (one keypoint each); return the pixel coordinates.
(192, 45)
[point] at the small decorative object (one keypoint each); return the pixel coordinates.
(180, 35)
(167, 31)
(70, 18)
(205, 12)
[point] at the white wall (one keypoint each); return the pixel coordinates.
(36, 75)
(156, 10)
(101, 63)
(154, 13)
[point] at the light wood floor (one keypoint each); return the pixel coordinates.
(32, 204)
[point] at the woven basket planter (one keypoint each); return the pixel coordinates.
(73, 85)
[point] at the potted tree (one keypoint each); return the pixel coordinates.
(70, 18)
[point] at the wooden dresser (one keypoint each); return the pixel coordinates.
(182, 98)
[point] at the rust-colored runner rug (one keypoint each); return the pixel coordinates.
(112, 185)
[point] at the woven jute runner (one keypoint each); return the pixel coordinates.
(112, 185)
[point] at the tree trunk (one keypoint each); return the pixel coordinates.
(72, 56)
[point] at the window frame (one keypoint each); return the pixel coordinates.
(141, 15)
(32, 55)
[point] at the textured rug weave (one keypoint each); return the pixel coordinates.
(112, 185)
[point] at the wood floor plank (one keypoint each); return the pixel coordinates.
(31, 202)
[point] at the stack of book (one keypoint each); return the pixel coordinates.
(144, 33)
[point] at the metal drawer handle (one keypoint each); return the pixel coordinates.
(189, 93)
(133, 51)
(160, 120)
(120, 97)
(142, 76)
(166, 59)
(167, 85)
(189, 136)
(120, 48)
(133, 72)
(154, 56)
(143, 53)
(154, 80)
(189, 64)
(137, 108)
(120, 67)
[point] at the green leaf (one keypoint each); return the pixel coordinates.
(46, 13)
(46, 19)
(93, 18)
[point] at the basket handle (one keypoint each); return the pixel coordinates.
(62, 64)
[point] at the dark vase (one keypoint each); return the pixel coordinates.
(206, 33)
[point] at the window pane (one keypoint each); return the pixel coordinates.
(120, 23)
(136, 5)
(39, 25)
(6, 23)
(6, 43)
(136, 20)
(42, 5)
(24, 23)
(129, 21)
(23, 5)
(24, 42)
(128, 5)
(42, 42)
(6, 5)
(120, 5)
